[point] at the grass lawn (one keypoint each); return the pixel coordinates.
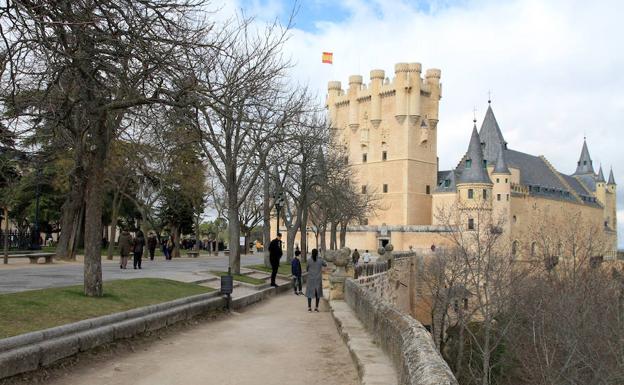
(241, 278)
(284, 268)
(41, 309)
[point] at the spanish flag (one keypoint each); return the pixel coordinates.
(328, 57)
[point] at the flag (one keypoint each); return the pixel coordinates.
(328, 57)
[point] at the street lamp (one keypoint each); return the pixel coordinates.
(35, 245)
(278, 200)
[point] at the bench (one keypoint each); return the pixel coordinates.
(34, 257)
(192, 253)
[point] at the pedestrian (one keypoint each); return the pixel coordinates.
(314, 286)
(139, 243)
(295, 268)
(366, 257)
(169, 248)
(151, 245)
(275, 254)
(125, 244)
(355, 257)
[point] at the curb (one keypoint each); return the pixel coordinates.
(373, 365)
(31, 351)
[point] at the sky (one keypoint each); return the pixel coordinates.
(553, 68)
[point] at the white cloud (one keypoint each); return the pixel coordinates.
(554, 69)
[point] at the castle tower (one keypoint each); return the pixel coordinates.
(390, 131)
(501, 192)
(611, 206)
(601, 188)
(584, 165)
(474, 187)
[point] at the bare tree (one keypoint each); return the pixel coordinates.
(81, 66)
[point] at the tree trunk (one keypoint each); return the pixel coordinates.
(175, 232)
(343, 235)
(71, 215)
(197, 234)
(323, 245)
(234, 233)
(93, 225)
(304, 234)
(113, 232)
(333, 244)
(266, 231)
(290, 243)
(6, 236)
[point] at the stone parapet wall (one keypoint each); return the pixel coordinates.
(404, 339)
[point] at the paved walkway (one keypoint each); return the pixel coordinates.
(40, 276)
(276, 342)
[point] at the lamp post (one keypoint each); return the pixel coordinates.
(6, 235)
(279, 203)
(35, 238)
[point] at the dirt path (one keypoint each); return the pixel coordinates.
(273, 343)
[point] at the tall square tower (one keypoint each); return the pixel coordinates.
(389, 130)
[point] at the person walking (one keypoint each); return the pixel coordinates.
(151, 245)
(125, 244)
(366, 257)
(275, 254)
(295, 268)
(314, 286)
(139, 243)
(355, 257)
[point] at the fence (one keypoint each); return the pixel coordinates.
(371, 268)
(18, 240)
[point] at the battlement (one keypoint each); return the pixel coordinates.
(406, 75)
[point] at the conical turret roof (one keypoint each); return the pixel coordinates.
(474, 170)
(501, 165)
(611, 178)
(600, 178)
(584, 165)
(491, 135)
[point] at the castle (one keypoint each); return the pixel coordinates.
(389, 130)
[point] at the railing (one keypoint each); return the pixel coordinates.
(371, 268)
(18, 240)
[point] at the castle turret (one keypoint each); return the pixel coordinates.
(415, 83)
(377, 78)
(501, 192)
(355, 84)
(611, 178)
(601, 188)
(474, 184)
(334, 90)
(432, 80)
(584, 165)
(401, 85)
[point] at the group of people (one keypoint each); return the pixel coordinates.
(135, 245)
(314, 286)
(355, 257)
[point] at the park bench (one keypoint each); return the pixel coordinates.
(192, 253)
(34, 257)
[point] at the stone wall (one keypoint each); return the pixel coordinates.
(403, 338)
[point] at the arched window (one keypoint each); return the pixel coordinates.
(533, 249)
(514, 249)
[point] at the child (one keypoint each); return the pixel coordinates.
(295, 267)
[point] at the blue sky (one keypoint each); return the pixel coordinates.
(554, 67)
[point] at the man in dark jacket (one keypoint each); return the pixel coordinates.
(151, 245)
(275, 253)
(139, 243)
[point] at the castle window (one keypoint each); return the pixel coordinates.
(498, 197)
(497, 180)
(514, 249)
(484, 194)
(385, 188)
(507, 197)
(428, 190)
(470, 224)
(470, 193)
(364, 222)
(384, 155)
(363, 189)
(515, 219)
(468, 163)
(505, 180)
(484, 163)
(533, 249)
(447, 182)
(584, 163)
(364, 158)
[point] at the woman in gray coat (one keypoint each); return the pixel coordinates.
(314, 287)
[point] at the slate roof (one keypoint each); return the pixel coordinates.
(476, 173)
(535, 172)
(611, 178)
(584, 165)
(492, 137)
(600, 178)
(501, 165)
